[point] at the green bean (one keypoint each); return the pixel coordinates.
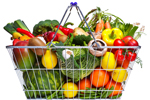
(89, 97)
(104, 92)
(117, 96)
(108, 92)
(61, 92)
(82, 94)
(87, 91)
(61, 96)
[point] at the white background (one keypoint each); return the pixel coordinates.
(33, 11)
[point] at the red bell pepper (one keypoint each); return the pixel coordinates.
(15, 41)
(66, 31)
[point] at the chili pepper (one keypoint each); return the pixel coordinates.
(25, 32)
(66, 31)
(110, 35)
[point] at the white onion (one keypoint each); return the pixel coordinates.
(42, 38)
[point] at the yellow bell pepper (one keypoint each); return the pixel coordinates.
(109, 35)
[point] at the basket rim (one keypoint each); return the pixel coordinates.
(121, 47)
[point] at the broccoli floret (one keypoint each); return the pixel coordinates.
(44, 26)
(55, 22)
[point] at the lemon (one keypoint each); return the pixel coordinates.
(49, 60)
(108, 61)
(119, 75)
(71, 89)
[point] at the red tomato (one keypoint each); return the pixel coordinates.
(117, 87)
(82, 84)
(99, 78)
(126, 39)
(113, 51)
(119, 55)
(121, 58)
(124, 63)
(119, 42)
(131, 56)
(133, 42)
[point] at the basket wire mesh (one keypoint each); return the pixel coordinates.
(45, 92)
(41, 83)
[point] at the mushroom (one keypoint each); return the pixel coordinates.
(97, 51)
(97, 35)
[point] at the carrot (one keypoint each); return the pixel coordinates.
(99, 26)
(107, 25)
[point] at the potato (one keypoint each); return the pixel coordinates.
(62, 38)
(37, 42)
(79, 31)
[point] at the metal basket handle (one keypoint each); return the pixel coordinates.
(77, 8)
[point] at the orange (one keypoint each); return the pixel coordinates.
(116, 85)
(84, 83)
(99, 78)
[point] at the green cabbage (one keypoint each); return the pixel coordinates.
(79, 66)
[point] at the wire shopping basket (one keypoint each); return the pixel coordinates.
(77, 65)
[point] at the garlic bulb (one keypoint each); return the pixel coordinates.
(67, 53)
